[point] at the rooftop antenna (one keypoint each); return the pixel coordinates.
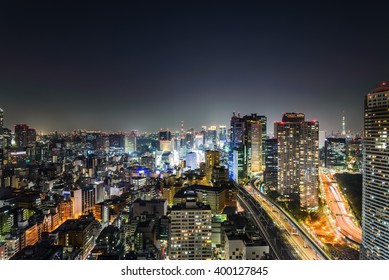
(343, 125)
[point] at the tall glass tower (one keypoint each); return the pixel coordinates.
(247, 139)
(375, 191)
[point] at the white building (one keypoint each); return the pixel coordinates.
(375, 191)
(244, 247)
(130, 143)
(191, 160)
(190, 232)
(84, 201)
(233, 247)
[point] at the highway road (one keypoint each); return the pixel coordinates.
(300, 244)
(337, 204)
(260, 221)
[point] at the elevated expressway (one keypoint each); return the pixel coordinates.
(293, 238)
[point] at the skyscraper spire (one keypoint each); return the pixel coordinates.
(182, 131)
(343, 125)
(1, 118)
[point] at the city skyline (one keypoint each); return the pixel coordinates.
(194, 130)
(143, 66)
(203, 195)
(172, 128)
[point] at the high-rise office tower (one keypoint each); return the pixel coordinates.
(375, 191)
(21, 135)
(212, 159)
(24, 135)
(189, 139)
(270, 176)
(203, 132)
(322, 138)
(130, 143)
(198, 141)
(222, 135)
(238, 164)
(335, 153)
(247, 135)
(7, 137)
(165, 141)
(237, 131)
(191, 160)
(165, 135)
(298, 159)
(116, 140)
(190, 231)
(236, 139)
(211, 136)
(254, 142)
(31, 136)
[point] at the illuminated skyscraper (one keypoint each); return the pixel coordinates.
(116, 140)
(31, 136)
(335, 153)
(189, 139)
(165, 141)
(165, 135)
(247, 136)
(271, 163)
(254, 143)
(211, 136)
(237, 165)
(236, 143)
(298, 159)
(191, 160)
(198, 141)
(222, 135)
(212, 159)
(237, 131)
(130, 143)
(24, 135)
(322, 138)
(375, 191)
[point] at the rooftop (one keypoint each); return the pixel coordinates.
(383, 87)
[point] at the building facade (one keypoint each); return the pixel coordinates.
(130, 143)
(298, 159)
(270, 177)
(190, 232)
(375, 198)
(247, 136)
(335, 153)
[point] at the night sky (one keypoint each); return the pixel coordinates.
(146, 65)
